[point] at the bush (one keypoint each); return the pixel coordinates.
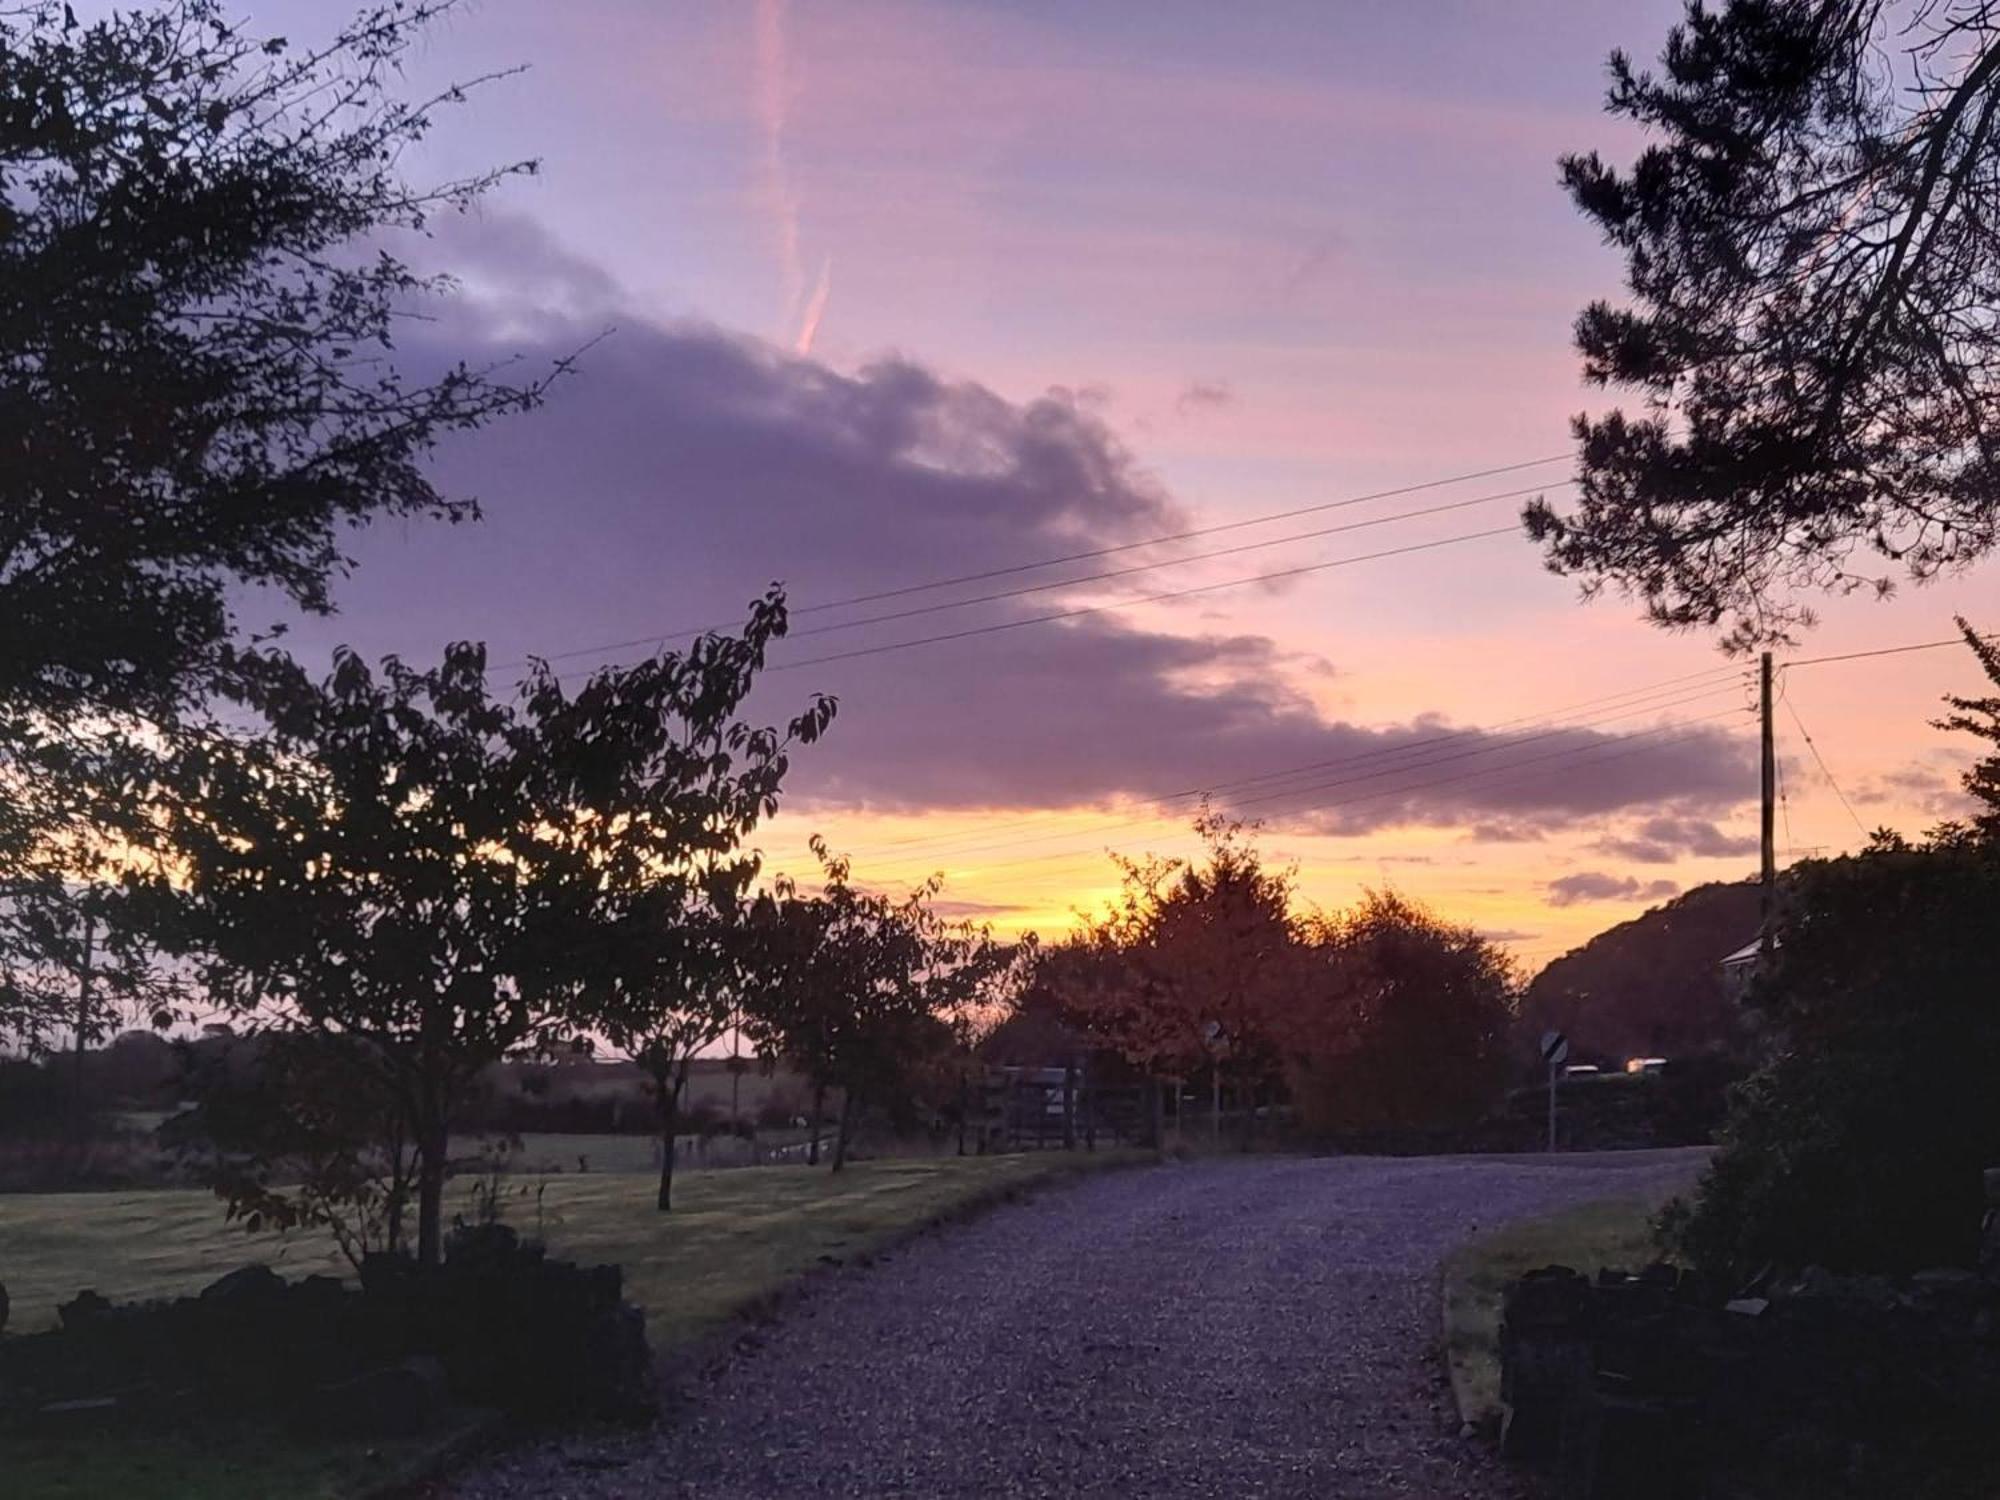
(1859, 1145)
(540, 1339)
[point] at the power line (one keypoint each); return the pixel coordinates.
(1098, 609)
(1086, 555)
(1814, 661)
(1792, 709)
(1171, 562)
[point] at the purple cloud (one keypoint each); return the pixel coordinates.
(1666, 840)
(1204, 395)
(1595, 885)
(1935, 788)
(681, 469)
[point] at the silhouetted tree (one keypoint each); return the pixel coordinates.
(1193, 964)
(410, 863)
(1981, 717)
(1809, 245)
(300, 1130)
(857, 989)
(1405, 1022)
(675, 994)
(193, 389)
(198, 301)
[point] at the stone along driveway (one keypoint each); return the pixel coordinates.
(1256, 1327)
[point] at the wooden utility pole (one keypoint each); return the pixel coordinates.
(1769, 868)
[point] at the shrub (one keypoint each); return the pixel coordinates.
(1859, 1145)
(541, 1339)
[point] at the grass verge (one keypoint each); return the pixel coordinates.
(1616, 1232)
(736, 1241)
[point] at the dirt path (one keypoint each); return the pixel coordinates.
(1264, 1327)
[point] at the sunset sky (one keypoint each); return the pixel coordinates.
(898, 292)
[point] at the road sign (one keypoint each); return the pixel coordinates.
(1555, 1052)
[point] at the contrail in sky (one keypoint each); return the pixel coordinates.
(773, 114)
(815, 309)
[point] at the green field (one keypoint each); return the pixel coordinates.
(1616, 1233)
(734, 1240)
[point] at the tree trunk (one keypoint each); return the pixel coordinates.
(667, 1091)
(964, 1108)
(431, 1148)
(840, 1136)
(1157, 1111)
(819, 1115)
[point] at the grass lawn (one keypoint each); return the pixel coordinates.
(1614, 1233)
(734, 1239)
(734, 1236)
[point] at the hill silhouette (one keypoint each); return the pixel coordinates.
(1650, 987)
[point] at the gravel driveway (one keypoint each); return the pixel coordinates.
(1255, 1327)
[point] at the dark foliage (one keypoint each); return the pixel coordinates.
(1860, 1145)
(1403, 1021)
(864, 993)
(199, 389)
(441, 877)
(299, 1129)
(1980, 717)
(31, 1096)
(1650, 987)
(1809, 245)
(192, 383)
(1193, 968)
(546, 1340)
(1821, 1387)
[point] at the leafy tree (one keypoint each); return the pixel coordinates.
(1809, 246)
(444, 877)
(1405, 1023)
(676, 992)
(1194, 964)
(1981, 717)
(193, 386)
(198, 307)
(858, 989)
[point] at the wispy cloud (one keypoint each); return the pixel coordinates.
(815, 309)
(1204, 395)
(781, 198)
